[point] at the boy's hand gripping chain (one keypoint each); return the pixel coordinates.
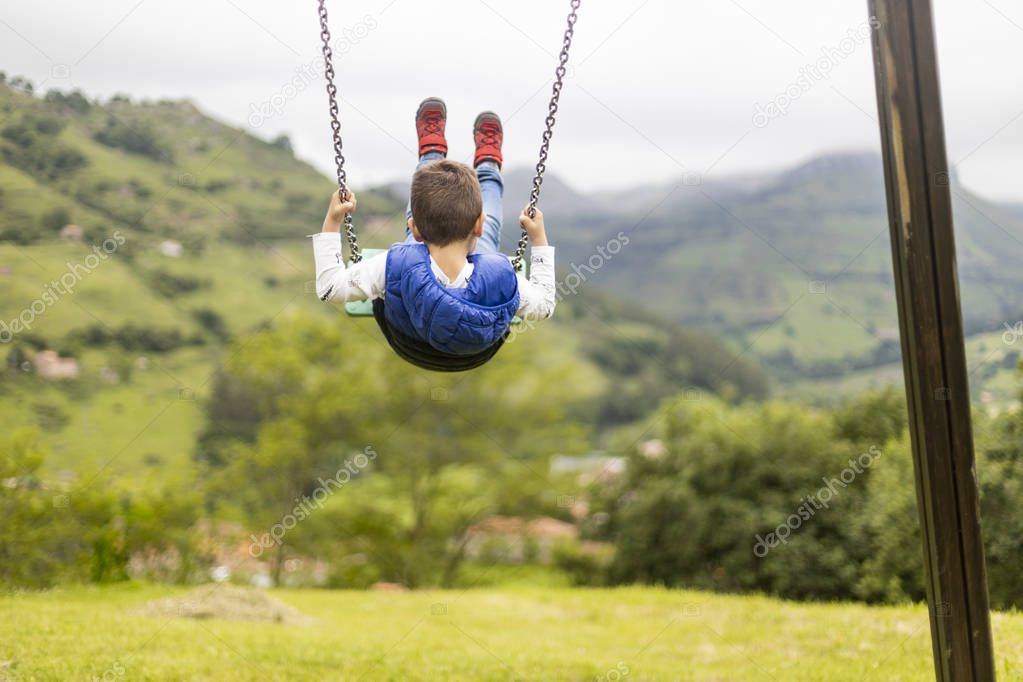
(335, 124)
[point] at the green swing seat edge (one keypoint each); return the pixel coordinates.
(365, 308)
(362, 308)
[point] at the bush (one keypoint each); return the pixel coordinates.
(212, 322)
(873, 418)
(716, 510)
(1000, 470)
(893, 571)
(74, 101)
(55, 219)
(134, 137)
(50, 416)
(587, 565)
(171, 285)
(283, 142)
(132, 338)
(16, 358)
(22, 84)
(701, 514)
(47, 536)
(233, 416)
(217, 185)
(18, 227)
(84, 533)
(30, 143)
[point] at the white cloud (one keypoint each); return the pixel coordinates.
(655, 83)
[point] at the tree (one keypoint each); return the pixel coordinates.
(893, 571)
(1000, 473)
(135, 137)
(74, 101)
(438, 445)
(758, 497)
(55, 219)
(873, 418)
(54, 533)
(283, 142)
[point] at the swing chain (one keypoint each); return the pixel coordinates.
(335, 126)
(552, 110)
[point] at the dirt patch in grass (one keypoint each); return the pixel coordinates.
(226, 602)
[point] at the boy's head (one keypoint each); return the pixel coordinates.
(447, 205)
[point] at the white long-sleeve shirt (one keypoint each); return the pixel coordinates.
(367, 278)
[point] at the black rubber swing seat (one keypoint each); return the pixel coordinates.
(425, 356)
(414, 351)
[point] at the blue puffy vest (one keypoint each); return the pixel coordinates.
(455, 321)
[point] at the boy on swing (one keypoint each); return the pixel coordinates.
(447, 289)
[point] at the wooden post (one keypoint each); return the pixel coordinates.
(933, 349)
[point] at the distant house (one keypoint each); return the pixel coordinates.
(514, 539)
(52, 367)
(233, 557)
(588, 468)
(171, 248)
(653, 449)
(388, 587)
(73, 232)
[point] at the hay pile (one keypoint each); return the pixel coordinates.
(226, 602)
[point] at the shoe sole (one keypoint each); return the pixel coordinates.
(432, 100)
(487, 114)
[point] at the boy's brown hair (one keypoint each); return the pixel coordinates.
(446, 201)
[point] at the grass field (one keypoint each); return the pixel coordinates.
(487, 634)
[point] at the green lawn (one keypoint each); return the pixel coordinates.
(488, 634)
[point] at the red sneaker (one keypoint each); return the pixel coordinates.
(488, 135)
(431, 118)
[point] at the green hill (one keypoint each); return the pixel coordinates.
(191, 234)
(794, 266)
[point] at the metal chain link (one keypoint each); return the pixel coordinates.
(552, 110)
(541, 166)
(335, 125)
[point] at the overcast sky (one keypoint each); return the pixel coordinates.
(658, 87)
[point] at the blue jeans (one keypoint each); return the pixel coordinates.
(492, 187)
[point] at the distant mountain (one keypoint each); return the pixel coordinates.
(1014, 210)
(200, 230)
(794, 265)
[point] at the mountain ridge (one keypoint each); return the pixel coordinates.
(789, 251)
(210, 225)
